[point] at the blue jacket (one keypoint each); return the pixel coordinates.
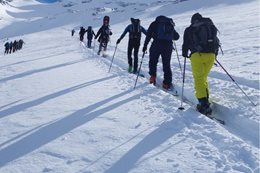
(129, 29)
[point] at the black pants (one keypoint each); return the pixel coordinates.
(165, 50)
(102, 46)
(81, 37)
(89, 43)
(133, 44)
(6, 50)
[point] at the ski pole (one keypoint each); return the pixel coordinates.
(112, 59)
(139, 69)
(177, 55)
(183, 80)
(236, 83)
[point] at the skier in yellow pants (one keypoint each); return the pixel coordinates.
(200, 38)
(201, 64)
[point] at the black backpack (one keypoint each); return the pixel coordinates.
(165, 29)
(89, 30)
(135, 30)
(204, 36)
(105, 34)
(82, 31)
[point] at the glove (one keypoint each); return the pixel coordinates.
(144, 49)
(185, 54)
(118, 41)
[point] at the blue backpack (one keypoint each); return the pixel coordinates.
(165, 28)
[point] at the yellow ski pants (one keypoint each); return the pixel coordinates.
(201, 64)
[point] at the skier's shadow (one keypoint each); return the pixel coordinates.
(165, 131)
(23, 106)
(55, 130)
(32, 60)
(31, 72)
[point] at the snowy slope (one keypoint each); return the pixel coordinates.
(61, 111)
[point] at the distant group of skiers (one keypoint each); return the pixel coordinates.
(200, 45)
(13, 46)
(82, 31)
(103, 35)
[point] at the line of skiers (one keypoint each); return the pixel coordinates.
(200, 45)
(103, 35)
(13, 46)
(90, 33)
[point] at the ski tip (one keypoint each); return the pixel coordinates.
(181, 108)
(222, 122)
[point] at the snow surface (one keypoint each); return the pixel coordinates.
(61, 111)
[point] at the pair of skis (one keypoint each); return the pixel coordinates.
(174, 92)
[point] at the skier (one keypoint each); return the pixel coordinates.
(200, 38)
(15, 45)
(104, 35)
(10, 47)
(7, 46)
(90, 34)
(135, 31)
(20, 44)
(72, 32)
(162, 31)
(81, 33)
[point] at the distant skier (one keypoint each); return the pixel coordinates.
(14, 46)
(7, 46)
(200, 38)
(72, 32)
(135, 31)
(20, 44)
(82, 33)
(90, 34)
(103, 35)
(11, 47)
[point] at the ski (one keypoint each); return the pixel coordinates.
(192, 105)
(141, 75)
(210, 116)
(171, 90)
(216, 119)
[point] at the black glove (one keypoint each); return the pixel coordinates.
(185, 54)
(144, 49)
(118, 41)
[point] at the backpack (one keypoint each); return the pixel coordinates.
(204, 36)
(90, 32)
(165, 29)
(82, 31)
(105, 34)
(135, 30)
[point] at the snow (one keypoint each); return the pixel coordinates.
(61, 111)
